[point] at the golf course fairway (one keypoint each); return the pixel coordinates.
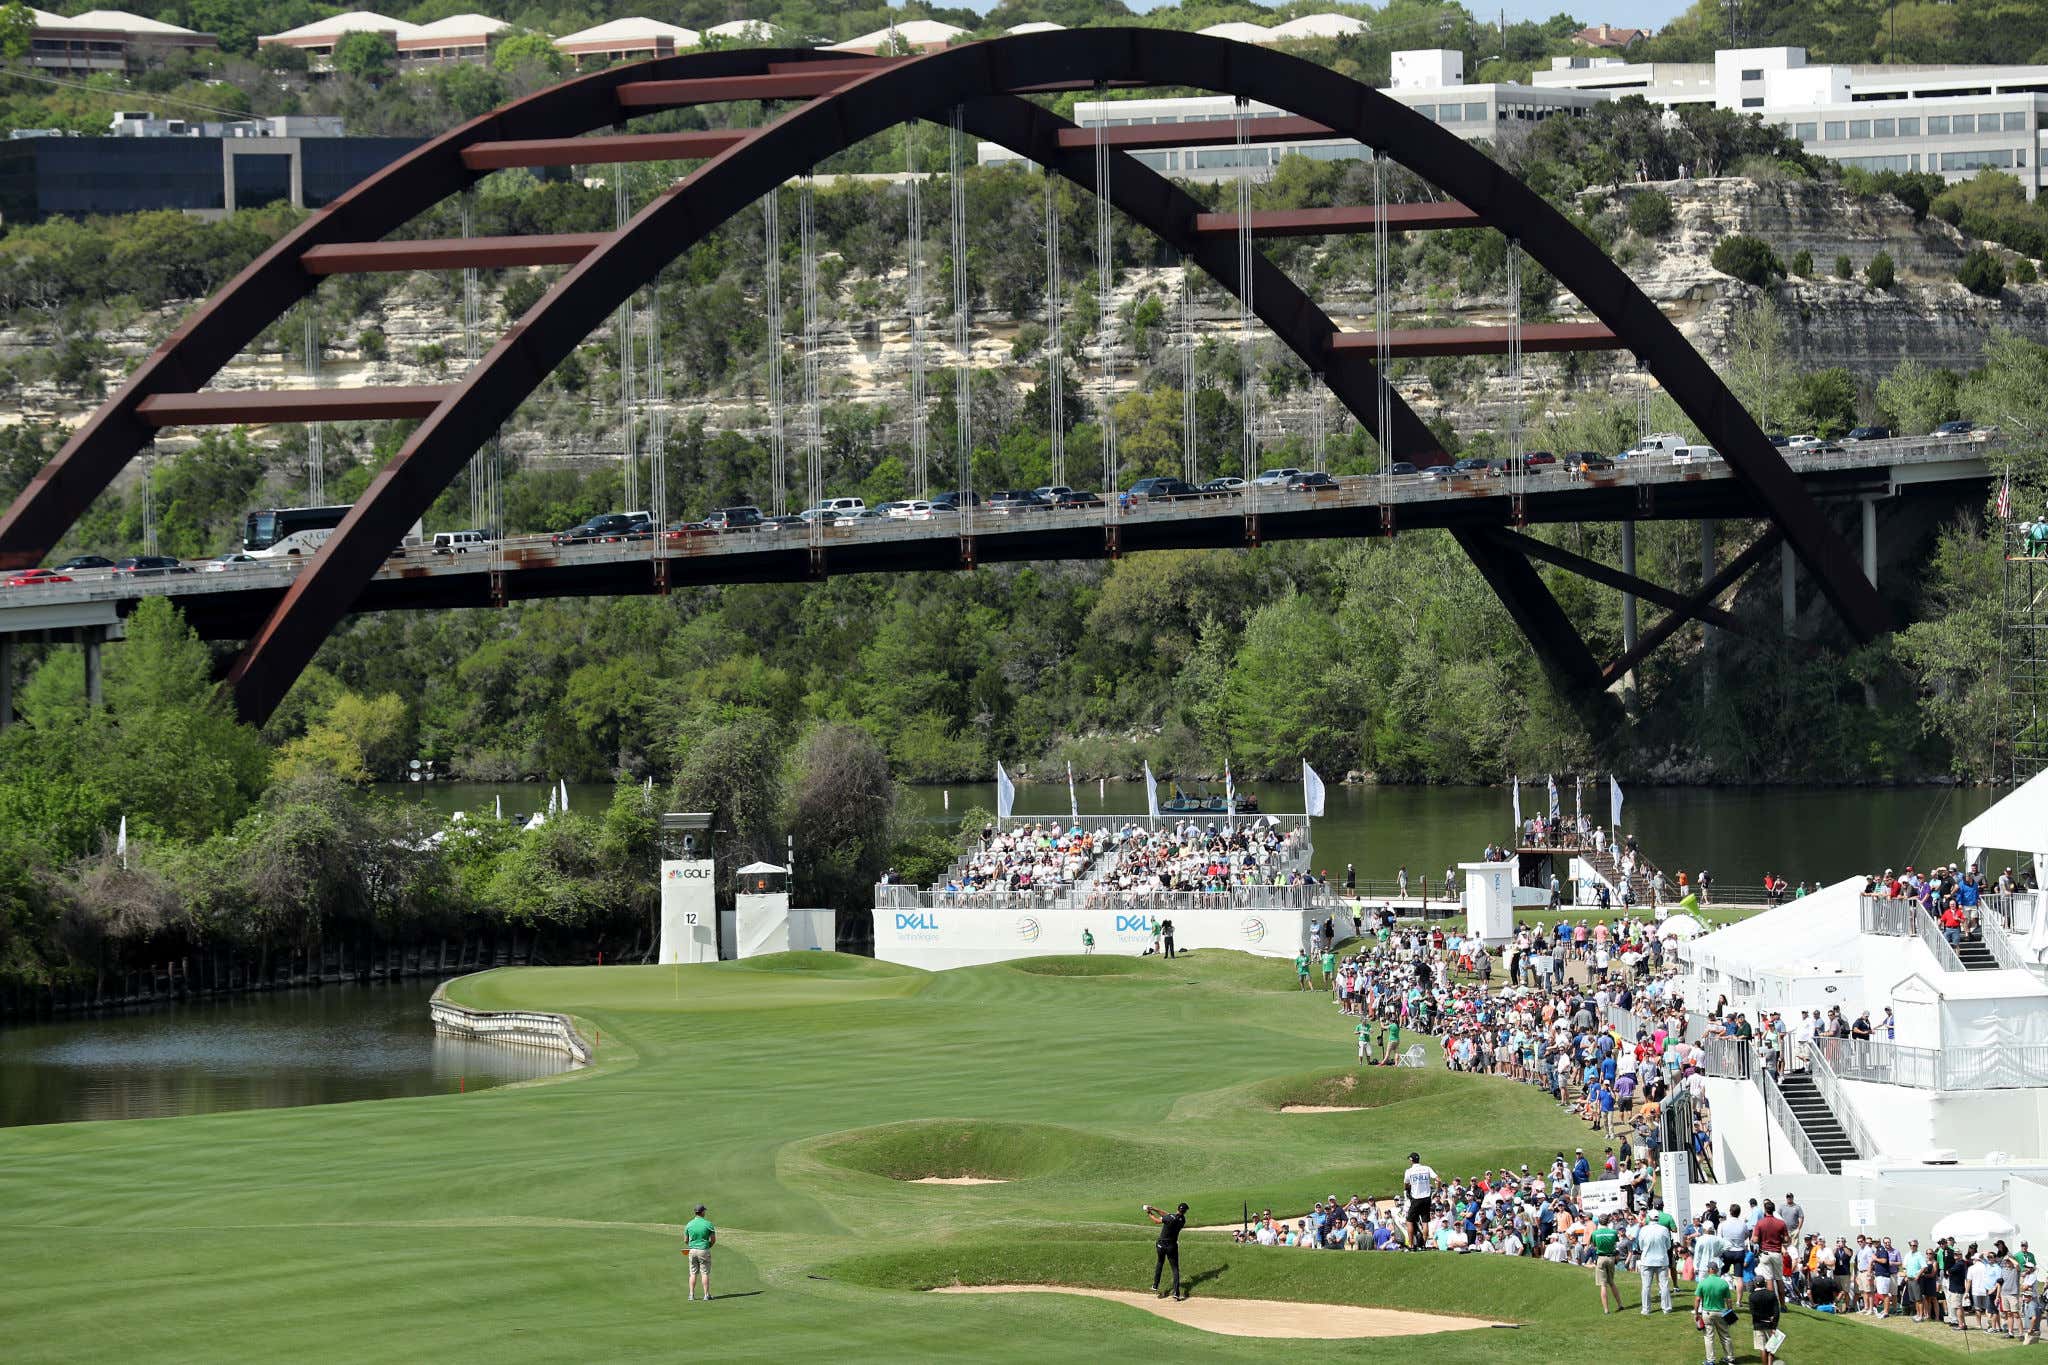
(803, 1098)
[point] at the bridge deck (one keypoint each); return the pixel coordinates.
(231, 603)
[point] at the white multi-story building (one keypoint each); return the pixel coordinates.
(1952, 120)
(1431, 82)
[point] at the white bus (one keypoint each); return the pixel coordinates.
(279, 532)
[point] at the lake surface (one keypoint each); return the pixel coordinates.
(1814, 834)
(260, 1051)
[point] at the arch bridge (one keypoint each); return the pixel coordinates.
(830, 102)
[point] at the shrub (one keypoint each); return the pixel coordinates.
(1802, 264)
(1748, 259)
(1880, 272)
(2023, 272)
(1844, 267)
(1982, 273)
(1649, 213)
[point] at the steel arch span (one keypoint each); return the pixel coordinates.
(845, 101)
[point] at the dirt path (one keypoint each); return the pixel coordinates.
(1271, 1318)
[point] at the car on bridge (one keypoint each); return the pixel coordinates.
(943, 503)
(1161, 488)
(1229, 483)
(151, 566)
(85, 563)
(832, 509)
(1078, 497)
(600, 527)
(683, 530)
(1276, 478)
(1401, 467)
(911, 509)
(1963, 429)
(1015, 501)
(460, 542)
(1700, 454)
(37, 578)
(1867, 434)
(742, 518)
(1586, 461)
(233, 559)
(1532, 462)
(1314, 481)
(1657, 443)
(1051, 491)
(1472, 467)
(1437, 473)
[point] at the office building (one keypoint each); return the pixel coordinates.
(106, 40)
(626, 40)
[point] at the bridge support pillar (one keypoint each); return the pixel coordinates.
(1869, 506)
(1788, 588)
(91, 639)
(1628, 607)
(6, 681)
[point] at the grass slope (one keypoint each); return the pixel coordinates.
(798, 1097)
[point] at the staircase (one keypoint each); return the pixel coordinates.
(1609, 867)
(1976, 955)
(1808, 1105)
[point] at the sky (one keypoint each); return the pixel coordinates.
(1653, 13)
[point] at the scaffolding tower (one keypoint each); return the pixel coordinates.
(2025, 644)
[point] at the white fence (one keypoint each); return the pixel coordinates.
(520, 1028)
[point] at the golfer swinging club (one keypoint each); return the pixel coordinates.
(1168, 1245)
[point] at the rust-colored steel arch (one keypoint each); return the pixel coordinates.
(851, 101)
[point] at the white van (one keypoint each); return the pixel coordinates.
(840, 509)
(1662, 443)
(1694, 454)
(461, 542)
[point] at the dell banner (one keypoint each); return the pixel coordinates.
(945, 936)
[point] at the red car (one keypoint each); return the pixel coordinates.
(31, 578)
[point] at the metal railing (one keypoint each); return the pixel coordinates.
(893, 896)
(2000, 943)
(1830, 1087)
(1788, 1123)
(1729, 1058)
(1992, 1066)
(1901, 918)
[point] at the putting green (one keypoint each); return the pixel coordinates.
(805, 1099)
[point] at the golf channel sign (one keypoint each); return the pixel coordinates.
(936, 937)
(689, 910)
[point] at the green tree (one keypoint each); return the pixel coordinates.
(1880, 273)
(371, 57)
(17, 27)
(1802, 264)
(1982, 273)
(1749, 259)
(1914, 398)
(842, 815)
(528, 50)
(1649, 213)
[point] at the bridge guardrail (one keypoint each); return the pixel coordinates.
(1352, 491)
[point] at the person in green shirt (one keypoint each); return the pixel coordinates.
(1301, 968)
(1393, 1041)
(1329, 966)
(1087, 941)
(699, 1237)
(1711, 1311)
(1364, 1040)
(1606, 1244)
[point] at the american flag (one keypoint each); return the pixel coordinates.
(2005, 498)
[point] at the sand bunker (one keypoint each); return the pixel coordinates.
(1271, 1318)
(1322, 1108)
(955, 1180)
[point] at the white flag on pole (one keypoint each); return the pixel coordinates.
(498, 805)
(565, 796)
(1312, 793)
(1006, 793)
(553, 794)
(1073, 797)
(1614, 807)
(121, 842)
(1151, 792)
(1578, 795)
(1556, 806)
(1229, 799)
(1516, 783)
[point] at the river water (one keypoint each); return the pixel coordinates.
(1813, 834)
(261, 1051)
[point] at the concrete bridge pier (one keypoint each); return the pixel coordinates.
(1708, 529)
(1869, 506)
(92, 640)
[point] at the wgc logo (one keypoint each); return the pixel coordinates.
(1253, 928)
(1028, 929)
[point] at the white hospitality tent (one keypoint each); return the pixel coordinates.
(1803, 955)
(2019, 822)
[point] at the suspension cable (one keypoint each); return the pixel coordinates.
(657, 421)
(814, 450)
(471, 321)
(1055, 364)
(1518, 477)
(771, 288)
(920, 433)
(1248, 350)
(1318, 421)
(963, 384)
(1383, 323)
(316, 445)
(1105, 307)
(149, 498)
(629, 484)
(1189, 452)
